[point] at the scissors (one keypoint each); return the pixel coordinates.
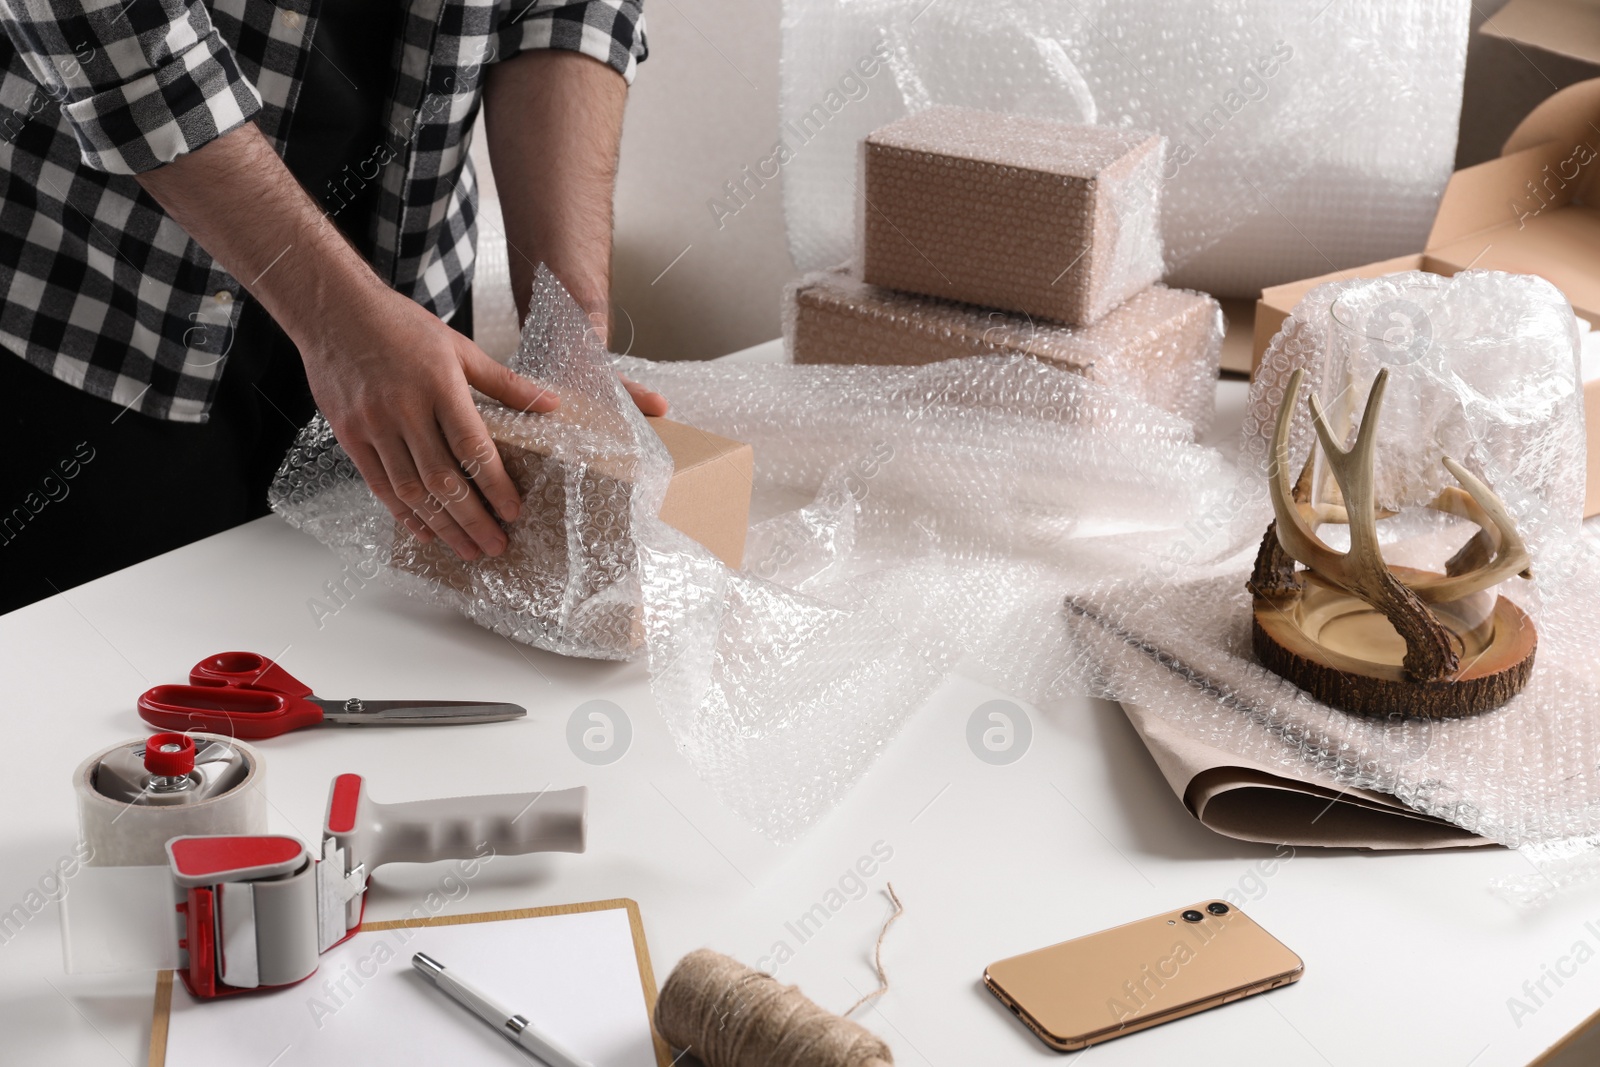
(242, 694)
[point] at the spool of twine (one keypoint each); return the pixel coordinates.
(729, 1015)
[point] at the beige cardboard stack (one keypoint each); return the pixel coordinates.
(989, 234)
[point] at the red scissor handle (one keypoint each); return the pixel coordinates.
(231, 710)
(239, 694)
(247, 670)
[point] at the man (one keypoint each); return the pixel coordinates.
(214, 213)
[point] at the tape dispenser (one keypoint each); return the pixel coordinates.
(234, 913)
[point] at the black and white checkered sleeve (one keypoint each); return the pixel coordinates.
(141, 81)
(611, 31)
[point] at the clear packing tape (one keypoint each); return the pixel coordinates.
(909, 522)
(1298, 133)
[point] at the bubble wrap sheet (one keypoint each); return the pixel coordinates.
(1483, 368)
(1299, 134)
(909, 520)
(913, 521)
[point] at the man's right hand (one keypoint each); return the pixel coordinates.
(392, 380)
(390, 377)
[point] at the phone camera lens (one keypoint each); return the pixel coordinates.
(1192, 916)
(1217, 907)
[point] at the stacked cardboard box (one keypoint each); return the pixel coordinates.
(985, 233)
(1158, 345)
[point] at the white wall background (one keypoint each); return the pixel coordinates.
(705, 105)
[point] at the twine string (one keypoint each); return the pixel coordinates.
(730, 1015)
(877, 954)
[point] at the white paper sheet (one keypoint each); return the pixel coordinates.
(574, 976)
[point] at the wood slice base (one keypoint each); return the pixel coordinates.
(1484, 681)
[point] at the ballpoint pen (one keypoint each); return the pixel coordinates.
(515, 1027)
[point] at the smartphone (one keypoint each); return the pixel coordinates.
(1132, 977)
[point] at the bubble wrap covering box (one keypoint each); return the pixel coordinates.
(1298, 132)
(1012, 212)
(591, 473)
(1162, 345)
(1483, 368)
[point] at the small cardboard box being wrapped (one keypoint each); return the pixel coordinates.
(1011, 211)
(708, 499)
(1535, 210)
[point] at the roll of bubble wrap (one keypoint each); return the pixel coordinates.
(119, 834)
(1161, 346)
(1301, 136)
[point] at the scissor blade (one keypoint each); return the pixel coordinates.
(418, 712)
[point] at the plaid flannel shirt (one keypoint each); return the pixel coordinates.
(100, 288)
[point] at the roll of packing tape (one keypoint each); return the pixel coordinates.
(124, 832)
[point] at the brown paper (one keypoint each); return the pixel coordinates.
(1250, 801)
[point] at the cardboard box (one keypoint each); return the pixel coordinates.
(1569, 28)
(1012, 212)
(1238, 342)
(709, 495)
(1161, 345)
(1520, 54)
(708, 499)
(1535, 210)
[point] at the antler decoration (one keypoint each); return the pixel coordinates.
(1495, 553)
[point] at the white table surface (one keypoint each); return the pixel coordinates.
(1410, 959)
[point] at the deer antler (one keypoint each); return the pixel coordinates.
(1494, 553)
(1430, 653)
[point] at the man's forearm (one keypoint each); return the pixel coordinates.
(235, 197)
(390, 377)
(554, 122)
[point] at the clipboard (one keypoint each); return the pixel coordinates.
(161, 1016)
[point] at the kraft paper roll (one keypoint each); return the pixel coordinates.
(119, 834)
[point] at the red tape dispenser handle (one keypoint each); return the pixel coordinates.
(362, 835)
(250, 911)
